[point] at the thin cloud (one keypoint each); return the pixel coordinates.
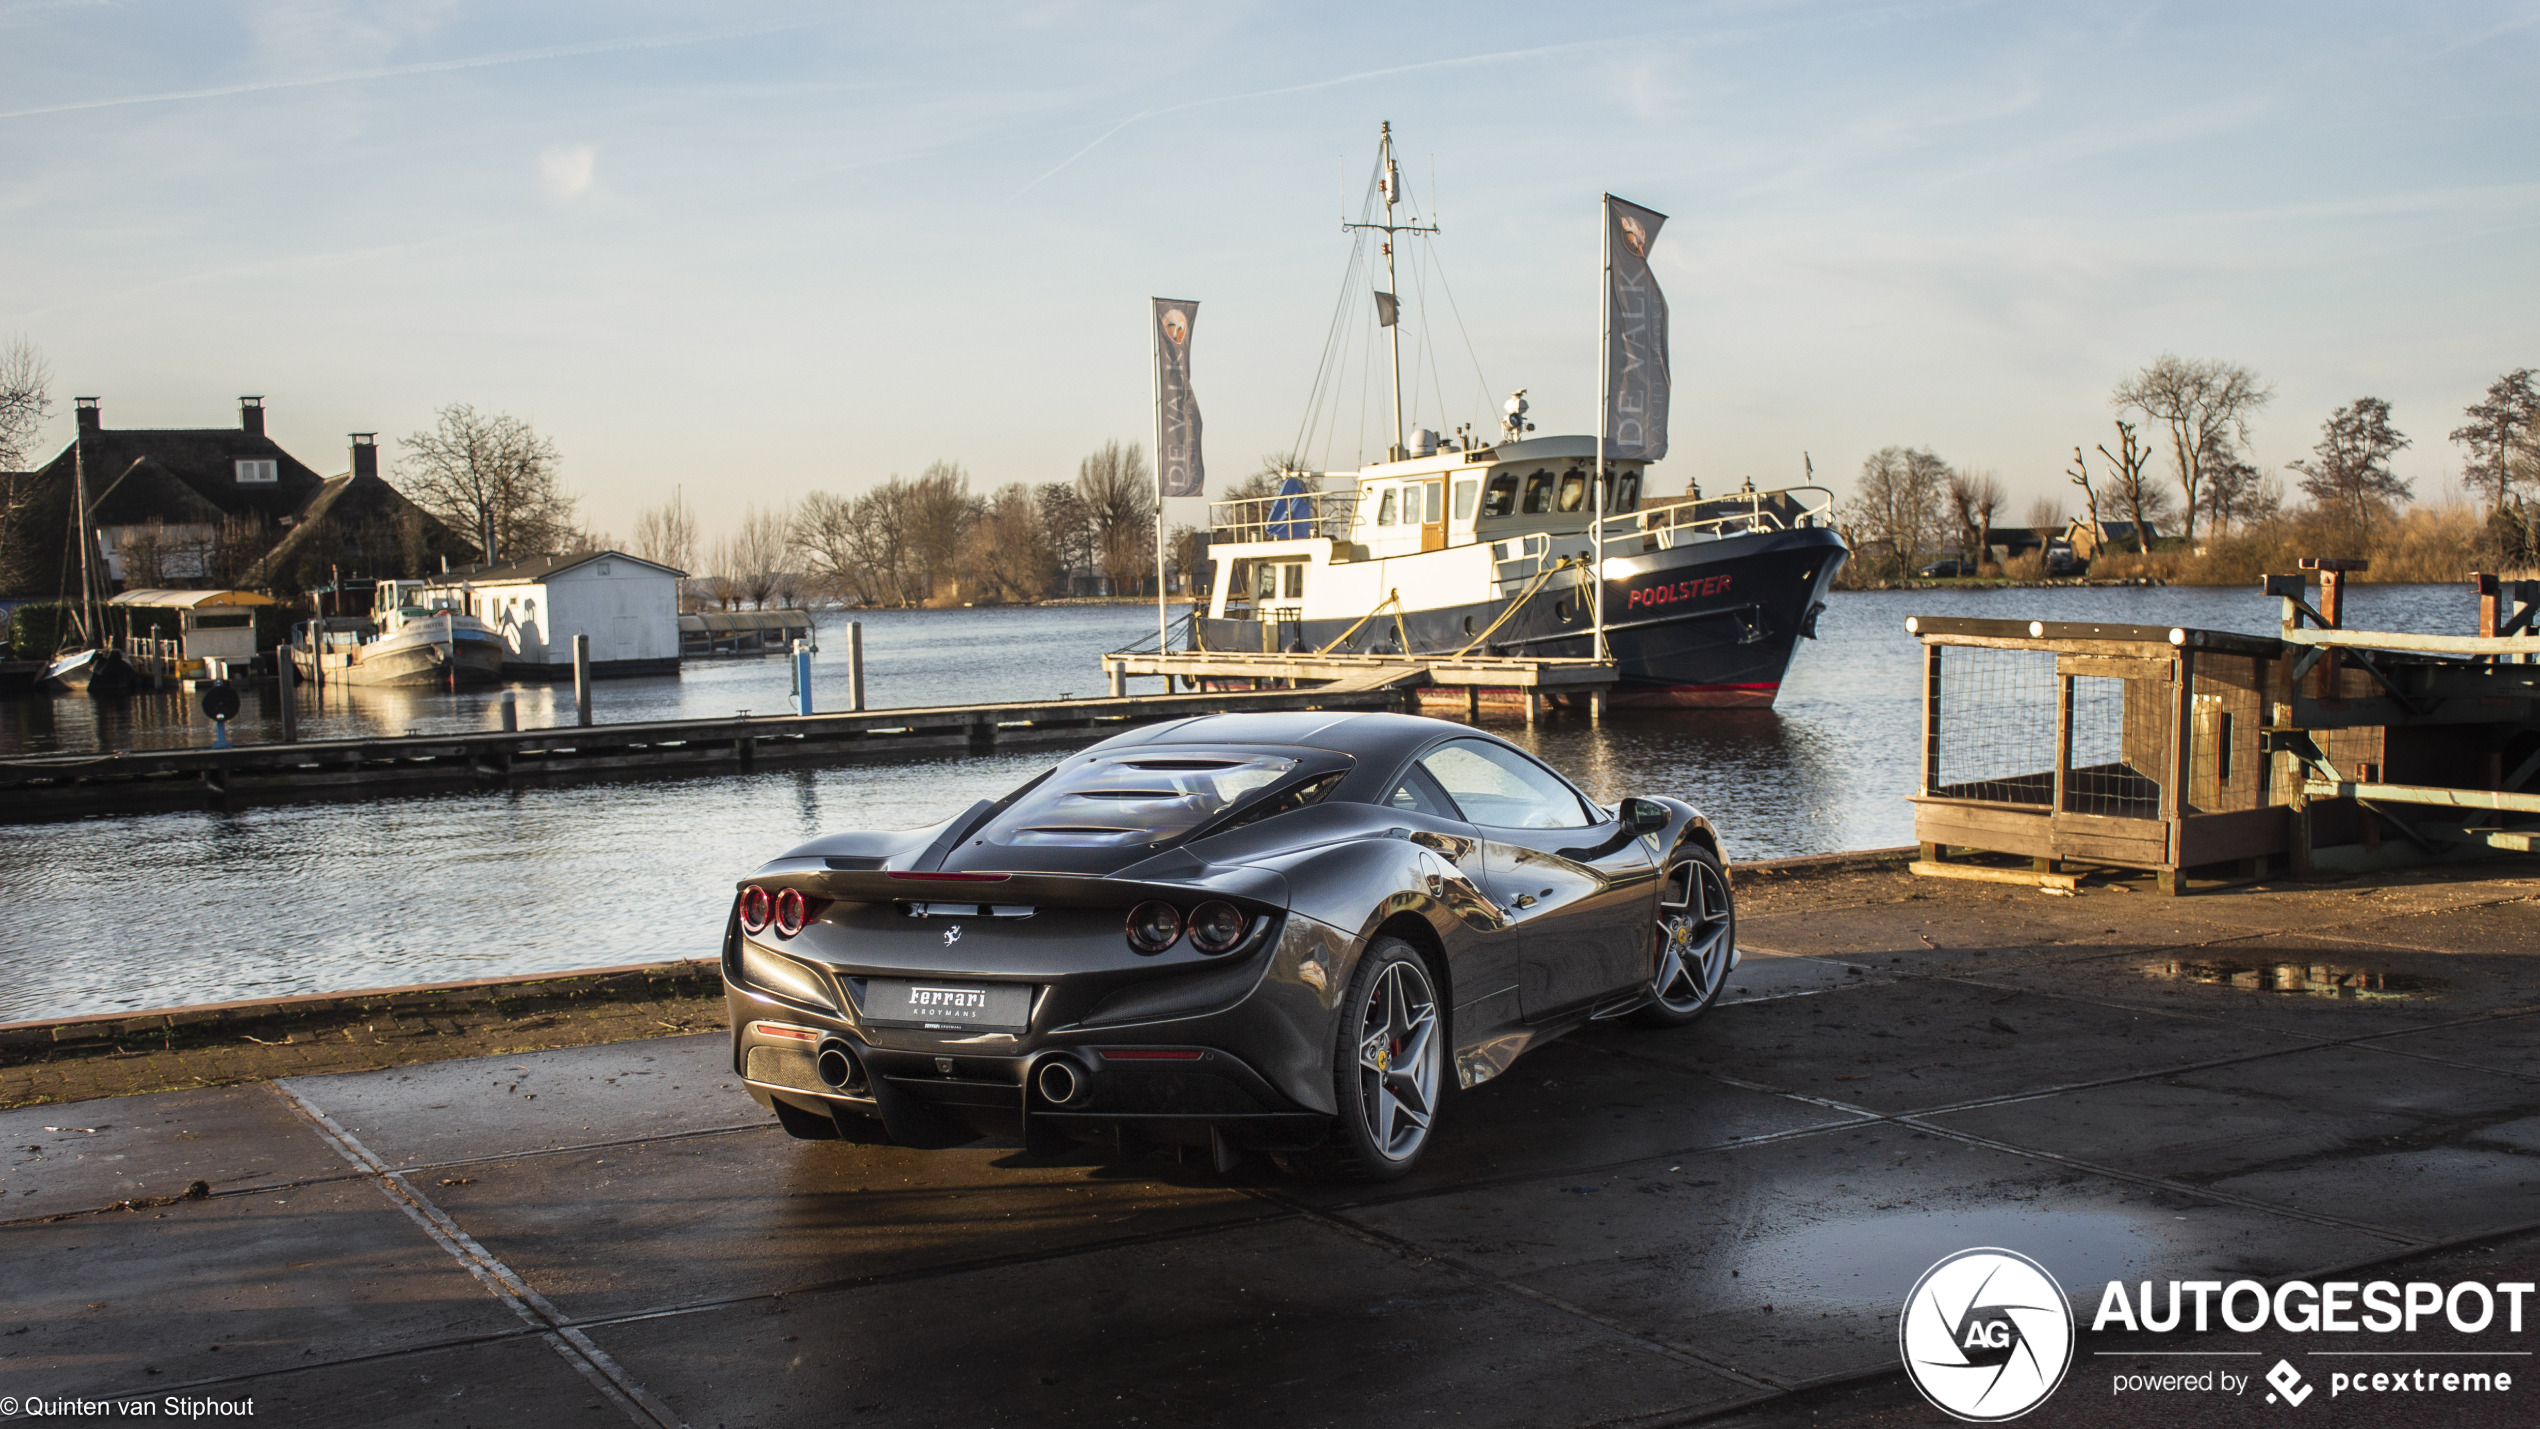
(570, 173)
(552, 52)
(1498, 57)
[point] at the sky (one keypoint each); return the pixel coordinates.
(752, 251)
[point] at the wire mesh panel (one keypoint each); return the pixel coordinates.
(1996, 726)
(2120, 745)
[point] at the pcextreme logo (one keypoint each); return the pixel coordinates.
(1986, 1335)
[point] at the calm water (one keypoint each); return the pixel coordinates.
(167, 909)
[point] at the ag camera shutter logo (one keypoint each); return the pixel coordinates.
(1986, 1335)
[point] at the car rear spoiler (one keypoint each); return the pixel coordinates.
(1033, 890)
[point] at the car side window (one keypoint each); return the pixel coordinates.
(1420, 794)
(1503, 789)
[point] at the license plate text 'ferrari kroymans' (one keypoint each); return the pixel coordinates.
(999, 1006)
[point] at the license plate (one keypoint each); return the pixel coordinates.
(989, 1006)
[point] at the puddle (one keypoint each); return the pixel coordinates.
(1876, 1260)
(2308, 979)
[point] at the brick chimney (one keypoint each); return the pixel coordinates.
(89, 420)
(365, 453)
(251, 416)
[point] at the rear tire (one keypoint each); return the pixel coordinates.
(1693, 942)
(1388, 1069)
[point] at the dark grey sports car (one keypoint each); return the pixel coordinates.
(1273, 931)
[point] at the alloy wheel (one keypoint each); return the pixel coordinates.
(1692, 937)
(1399, 1055)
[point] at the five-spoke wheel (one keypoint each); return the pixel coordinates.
(1387, 1072)
(1694, 941)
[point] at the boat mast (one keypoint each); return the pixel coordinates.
(90, 626)
(1389, 184)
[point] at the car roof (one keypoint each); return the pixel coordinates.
(1372, 738)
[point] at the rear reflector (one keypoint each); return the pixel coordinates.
(1150, 1055)
(953, 877)
(796, 1034)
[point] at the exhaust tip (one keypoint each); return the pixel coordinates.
(1059, 1081)
(838, 1068)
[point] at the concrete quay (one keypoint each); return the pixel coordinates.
(1716, 1224)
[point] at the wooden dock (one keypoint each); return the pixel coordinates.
(34, 788)
(1530, 678)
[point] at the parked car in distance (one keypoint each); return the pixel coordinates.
(1284, 932)
(2061, 560)
(1947, 567)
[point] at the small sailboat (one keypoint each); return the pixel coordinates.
(89, 664)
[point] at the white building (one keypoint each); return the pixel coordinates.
(628, 606)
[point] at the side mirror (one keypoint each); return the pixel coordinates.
(1646, 816)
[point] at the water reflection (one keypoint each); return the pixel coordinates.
(2306, 978)
(194, 907)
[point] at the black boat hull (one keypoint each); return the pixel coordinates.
(1705, 625)
(89, 672)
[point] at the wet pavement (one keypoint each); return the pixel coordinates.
(1642, 1227)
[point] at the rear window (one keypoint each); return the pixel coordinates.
(1129, 799)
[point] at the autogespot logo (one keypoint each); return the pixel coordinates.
(1986, 1335)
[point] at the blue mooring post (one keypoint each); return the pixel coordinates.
(802, 677)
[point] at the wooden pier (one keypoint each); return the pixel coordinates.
(1531, 678)
(41, 787)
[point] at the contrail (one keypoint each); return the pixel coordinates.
(553, 52)
(1494, 58)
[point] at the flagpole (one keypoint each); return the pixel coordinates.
(1155, 348)
(1604, 362)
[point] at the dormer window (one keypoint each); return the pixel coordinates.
(257, 472)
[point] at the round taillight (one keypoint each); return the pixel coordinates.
(789, 912)
(755, 907)
(1153, 926)
(1215, 927)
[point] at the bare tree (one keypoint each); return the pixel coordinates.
(1273, 473)
(1896, 503)
(492, 475)
(26, 382)
(940, 509)
(754, 557)
(2045, 515)
(667, 534)
(1975, 498)
(1007, 547)
(1188, 548)
(2131, 488)
(2206, 405)
(1118, 488)
(2079, 475)
(2502, 434)
(25, 399)
(2349, 473)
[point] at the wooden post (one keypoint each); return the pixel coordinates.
(1930, 775)
(1527, 693)
(2172, 878)
(1473, 703)
(1596, 706)
(286, 690)
(581, 679)
(510, 706)
(1118, 678)
(855, 666)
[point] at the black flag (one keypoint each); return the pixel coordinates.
(1636, 336)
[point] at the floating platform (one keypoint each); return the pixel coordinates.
(68, 785)
(1526, 680)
